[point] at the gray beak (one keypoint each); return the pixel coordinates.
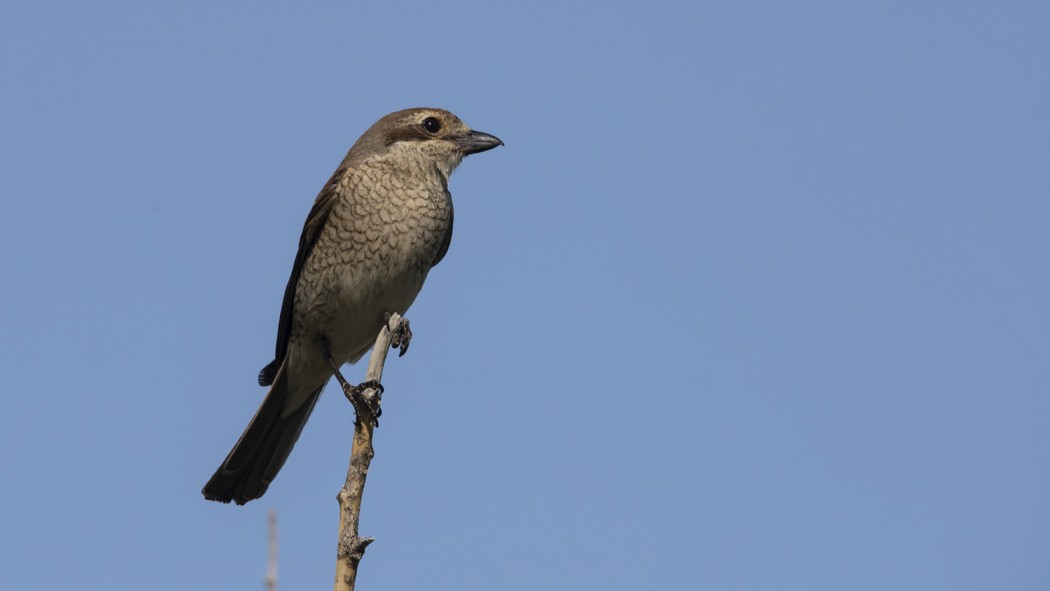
(477, 141)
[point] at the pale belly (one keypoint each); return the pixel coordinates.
(356, 313)
(361, 316)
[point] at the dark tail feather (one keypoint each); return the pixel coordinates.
(258, 455)
(268, 373)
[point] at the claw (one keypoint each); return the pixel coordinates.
(355, 394)
(365, 406)
(401, 336)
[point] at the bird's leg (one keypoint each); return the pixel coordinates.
(363, 405)
(401, 336)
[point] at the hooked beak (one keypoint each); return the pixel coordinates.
(477, 141)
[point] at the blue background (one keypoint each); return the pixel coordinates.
(755, 297)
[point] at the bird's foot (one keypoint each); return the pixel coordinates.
(365, 405)
(365, 396)
(401, 336)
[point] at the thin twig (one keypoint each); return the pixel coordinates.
(351, 547)
(271, 553)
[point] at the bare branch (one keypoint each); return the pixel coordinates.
(351, 546)
(271, 553)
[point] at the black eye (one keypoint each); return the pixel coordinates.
(432, 125)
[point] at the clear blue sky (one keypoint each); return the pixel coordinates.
(757, 295)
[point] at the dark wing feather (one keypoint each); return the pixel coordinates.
(447, 240)
(311, 231)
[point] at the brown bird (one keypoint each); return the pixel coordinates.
(377, 227)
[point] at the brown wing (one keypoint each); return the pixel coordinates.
(311, 231)
(447, 239)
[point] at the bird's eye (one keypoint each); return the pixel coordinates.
(432, 125)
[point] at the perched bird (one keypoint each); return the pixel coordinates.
(377, 227)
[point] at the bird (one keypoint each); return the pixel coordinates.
(375, 230)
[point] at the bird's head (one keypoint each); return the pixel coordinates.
(434, 135)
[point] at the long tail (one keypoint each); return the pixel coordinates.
(264, 446)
